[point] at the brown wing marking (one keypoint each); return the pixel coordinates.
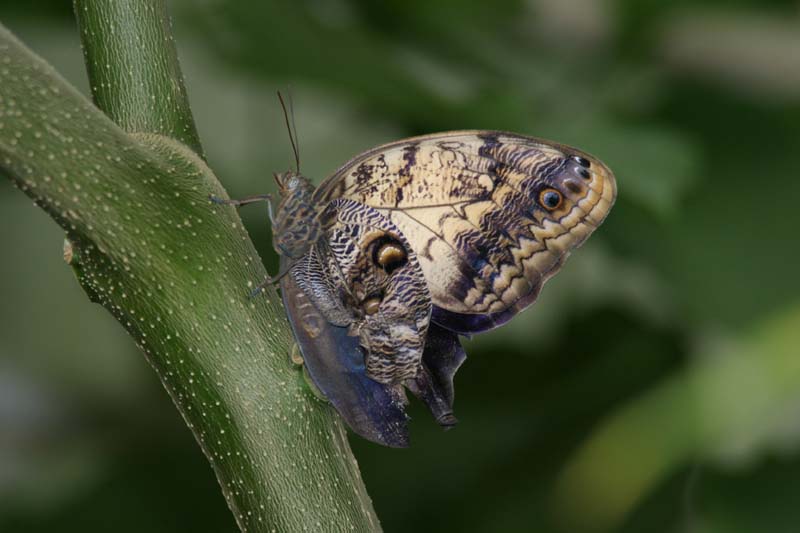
(443, 277)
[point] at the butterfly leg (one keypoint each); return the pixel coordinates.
(249, 200)
(297, 360)
(271, 280)
(296, 355)
(245, 201)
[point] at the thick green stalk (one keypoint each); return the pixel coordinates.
(175, 271)
(133, 67)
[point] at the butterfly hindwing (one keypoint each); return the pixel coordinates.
(360, 309)
(377, 277)
(335, 363)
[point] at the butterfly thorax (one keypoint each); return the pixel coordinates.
(296, 226)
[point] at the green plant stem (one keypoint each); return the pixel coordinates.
(174, 270)
(133, 67)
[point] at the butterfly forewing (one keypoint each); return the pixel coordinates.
(490, 215)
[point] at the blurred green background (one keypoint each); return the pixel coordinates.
(654, 387)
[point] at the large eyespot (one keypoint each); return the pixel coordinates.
(389, 254)
(550, 199)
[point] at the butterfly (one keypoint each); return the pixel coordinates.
(415, 243)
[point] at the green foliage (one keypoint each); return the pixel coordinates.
(701, 411)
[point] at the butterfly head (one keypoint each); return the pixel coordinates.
(291, 182)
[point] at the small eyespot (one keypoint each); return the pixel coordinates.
(582, 161)
(585, 174)
(371, 305)
(550, 199)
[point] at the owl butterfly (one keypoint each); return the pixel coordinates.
(415, 243)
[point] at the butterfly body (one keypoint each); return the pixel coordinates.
(295, 227)
(412, 244)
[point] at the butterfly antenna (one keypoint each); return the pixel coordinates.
(291, 136)
(294, 127)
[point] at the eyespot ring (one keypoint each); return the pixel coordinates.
(550, 199)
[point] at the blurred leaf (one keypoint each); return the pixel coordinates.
(733, 401)
(745, 500)
(750, 51)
